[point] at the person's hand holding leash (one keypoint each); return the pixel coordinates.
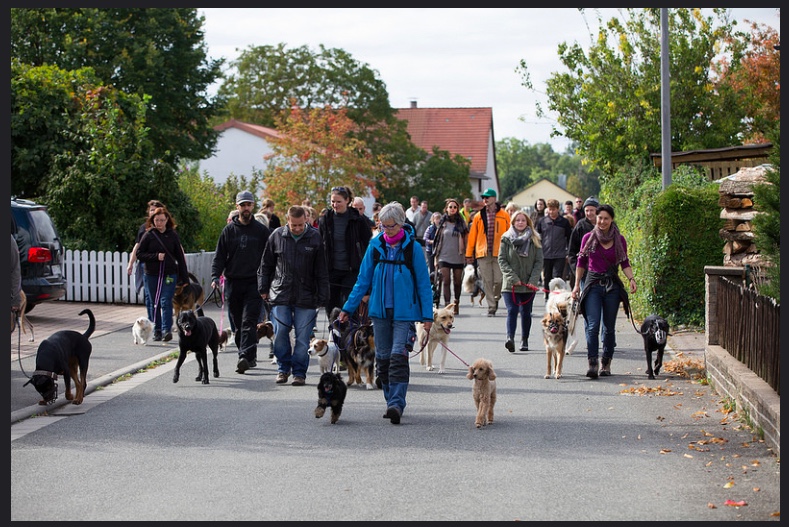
(426, 336)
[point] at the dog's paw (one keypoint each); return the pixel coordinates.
(558, 375)
(441, 370)
(479, 424)
(429, 367)
(176, 377)
(319, 412)
(370, 386)
(335, 418)
(547, 376)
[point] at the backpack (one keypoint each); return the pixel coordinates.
(408, 260)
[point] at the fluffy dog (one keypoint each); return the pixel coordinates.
(356, 343)
(142, 329)
(443, 322)
(327, 352)
(655, 331)
(331, 393)
(23, 321)
(554, 331)
(560, 300)
(188, 296)
(197, 334)
(472, 283)
(483, 390)
(64, 353)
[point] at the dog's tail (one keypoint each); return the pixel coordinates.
(193, 278)
(91, 325)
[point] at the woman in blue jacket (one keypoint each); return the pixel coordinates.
(399, 295)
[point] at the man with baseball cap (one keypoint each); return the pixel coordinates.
(483, 243)
(238, 254)
(586, 224)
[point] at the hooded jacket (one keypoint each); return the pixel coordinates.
(477, 242)
(357, 236)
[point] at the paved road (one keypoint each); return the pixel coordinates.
(244, 448)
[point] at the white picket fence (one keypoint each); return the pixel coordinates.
(101, 277)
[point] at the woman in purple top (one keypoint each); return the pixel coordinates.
(603, 251)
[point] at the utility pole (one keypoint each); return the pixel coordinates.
(665, 97)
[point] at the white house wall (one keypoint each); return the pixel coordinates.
(237, 152)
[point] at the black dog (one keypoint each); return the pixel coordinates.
(64, 353)
(197, 334)
(654, 330)
(331, 392)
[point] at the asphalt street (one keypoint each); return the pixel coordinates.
(244, 448)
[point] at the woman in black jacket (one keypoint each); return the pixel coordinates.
(165, 267)
(345, 238)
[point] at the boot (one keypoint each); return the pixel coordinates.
(525, 345)
(592, 371)
(510, 344)
(605, 367)
(457, 306)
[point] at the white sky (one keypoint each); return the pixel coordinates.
(441, 58)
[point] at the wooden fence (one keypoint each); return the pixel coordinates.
(101, 277)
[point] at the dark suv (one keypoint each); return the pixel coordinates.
(40, 252)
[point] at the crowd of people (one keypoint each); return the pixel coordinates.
(287, 271)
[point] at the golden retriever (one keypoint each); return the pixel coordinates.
(483, 390)
(443, 322)
(554, 332)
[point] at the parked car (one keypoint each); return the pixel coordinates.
(40, 252)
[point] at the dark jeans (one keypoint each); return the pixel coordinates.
(521, 305)
(244, 304)
(340, 286)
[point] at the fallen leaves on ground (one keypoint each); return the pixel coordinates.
(649, 390)
(732, 503)
(685, 367)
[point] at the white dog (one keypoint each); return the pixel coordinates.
(328, 354)
(560, 300)
(142, 330)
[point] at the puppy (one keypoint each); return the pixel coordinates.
(225, 336)
(554, 331)
(327, 352)
(483, 390)
(142, 329)
(560, 300)
(472, 283)
(331, 393)
(655, 331)
(197, 334)
(64, 353)
(23, 320)
(443, 322)
(188, 296)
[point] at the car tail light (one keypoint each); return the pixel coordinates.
(39, 255)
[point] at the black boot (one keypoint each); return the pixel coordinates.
(605, 367)
(592, 371)
(524, 345)
(510, 344)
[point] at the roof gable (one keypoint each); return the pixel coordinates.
(263, 132)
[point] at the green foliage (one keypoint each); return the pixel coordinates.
(212, 206)
(442, 176)
(767, 225)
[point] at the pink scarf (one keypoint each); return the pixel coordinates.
(391, 240)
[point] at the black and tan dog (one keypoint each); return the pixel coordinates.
(331, 394)
(188, 296)
(655, 332)
(357, 349)
(197, 334)
(65, 353)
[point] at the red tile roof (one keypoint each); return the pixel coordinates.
(464, 131)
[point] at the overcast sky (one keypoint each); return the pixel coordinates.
(439, 57)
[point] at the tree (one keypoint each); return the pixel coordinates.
(442, 176)
(609, 100)
(767, 224)
(154, 52)
(314, 154)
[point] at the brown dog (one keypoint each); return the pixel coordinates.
(554, 333)
(188, 297)
(483, 390)
(23, 321)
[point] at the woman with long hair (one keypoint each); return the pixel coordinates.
(449, 250)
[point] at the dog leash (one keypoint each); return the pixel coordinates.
(453, 353)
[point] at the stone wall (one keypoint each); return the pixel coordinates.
(736, 201)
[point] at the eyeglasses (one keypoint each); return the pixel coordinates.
(388, 227)
(341, 190)
(452, 206)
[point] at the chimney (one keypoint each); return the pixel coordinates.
(413, 103)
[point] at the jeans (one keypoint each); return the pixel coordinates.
(526, 301)
(244, 304)
(340, 285)
(161, 312)
(599, 304)
(293, 359)
(394, 341)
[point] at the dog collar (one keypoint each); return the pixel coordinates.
(51, 374)
(324, 353)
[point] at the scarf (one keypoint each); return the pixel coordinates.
(597, 237)
(391, 240)
(520, 240)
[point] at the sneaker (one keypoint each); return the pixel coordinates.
(242, 366)
(510, 345)
(298, 381)
(157, 337)
(491, 312)
(282, 378)
(393, 414)
(168, 337)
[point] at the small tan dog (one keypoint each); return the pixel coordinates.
(483, 390)
(554, 332)
(443, 322)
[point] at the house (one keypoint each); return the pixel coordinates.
(543, 188)
(240, 150)
(467, 132)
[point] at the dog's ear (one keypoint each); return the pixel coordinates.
(492, 374)
(470, 374)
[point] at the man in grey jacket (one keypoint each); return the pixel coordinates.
(555, 232)
(293, 276)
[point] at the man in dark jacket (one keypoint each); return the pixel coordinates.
(345, 238)
(586, 224)
(238, 254)
(293, 277)
(555, 231)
